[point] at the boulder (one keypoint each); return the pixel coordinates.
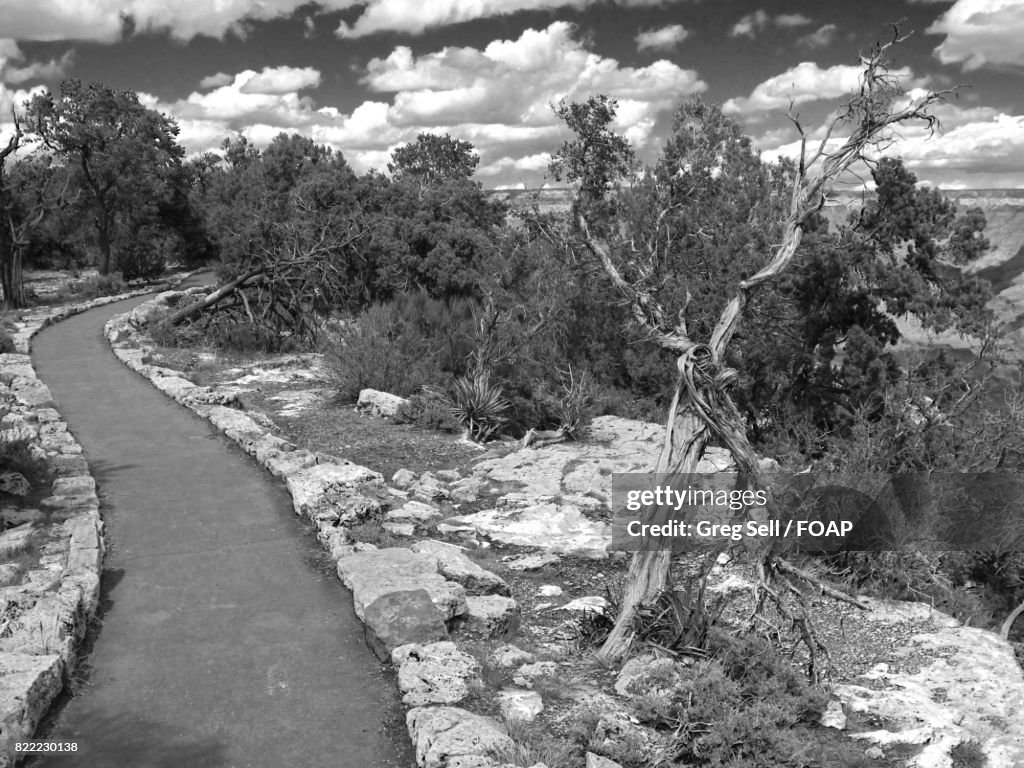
(590, 603)
(441, 734)
(519, 704)
(596, 761)
(334, 492)
(437, 673)
(375, 573)
(453, 564)
(380, 403)
(531, 562)
(402, 617)
(30, 684)
(527, 673)
(14, 483)
(403, 478)
(492, 615)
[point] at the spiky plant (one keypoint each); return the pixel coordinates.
(479, 406)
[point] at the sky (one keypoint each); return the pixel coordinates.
(365, 77)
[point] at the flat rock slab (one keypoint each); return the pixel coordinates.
(455, 565)
(972, 691)
(613, 445)
(376, 573)
(558, 528)
(399, 618)
(28, 684)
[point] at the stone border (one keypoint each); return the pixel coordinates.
(38, 649)
(403, 596)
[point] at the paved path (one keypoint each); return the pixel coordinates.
(222, 643)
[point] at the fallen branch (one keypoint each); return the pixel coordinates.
(786, 567)
(1004, 631)
(218, 295)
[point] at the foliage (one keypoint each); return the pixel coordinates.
(433, 160)
(429, 409)
(479, 406)
(123, 156)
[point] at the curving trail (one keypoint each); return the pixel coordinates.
(221, 643)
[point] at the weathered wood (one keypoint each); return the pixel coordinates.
(186, 313)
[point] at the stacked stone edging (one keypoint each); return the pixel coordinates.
(402, 595)
(40, 640)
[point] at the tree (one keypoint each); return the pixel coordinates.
(432, 160)
(122, 153)
(22, 208)
(703, 407)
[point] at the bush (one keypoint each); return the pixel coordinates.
(378, 350)
(428, 409)
(6, 342)
(479, 406)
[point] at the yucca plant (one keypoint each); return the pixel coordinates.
(478, 405)
(576, 405)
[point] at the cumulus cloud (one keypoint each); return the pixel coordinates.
(981, 33)
(754, 23)
(822, 37)
(106, 20)
(415, 16)
(275, 80)
(803, 83)
(665, 38)
(215, 81)
(14, 69)
(515, 81)
(498, 97)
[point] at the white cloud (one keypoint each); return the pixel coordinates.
(415, 16)
(277, 80)
(982, 33)
(750, 24)
(215, 81)
(803, 83)
(13, 68)
(822, 37)
(498, 97)
(754, 23)
(516, 81)
(103, 20)
(665, 38)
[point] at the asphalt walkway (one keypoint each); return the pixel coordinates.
(224, 640)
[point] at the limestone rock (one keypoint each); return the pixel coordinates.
(375, 573)
(403, 478)
(833, 716)
(332, 492)
(510, 656)
(590, 603)
(30, 684)
(972, 690)
(440, 734)
(521, 705)
(642, 673)
(453, 564)
(413, 512)
(550, 590)
(15, 541)
(14, 483)
(527, 673)
(531, 562)
(596, 761)
(398, 618)
(438, 673)
(467, 489)
(380, 403)
(399, 529)
(561, 529)
(492, 615)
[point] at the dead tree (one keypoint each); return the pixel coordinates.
(702, 408)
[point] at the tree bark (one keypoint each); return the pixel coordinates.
(685, 440)
(225, 290)
(103, 239)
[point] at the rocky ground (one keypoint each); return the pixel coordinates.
(479, 581)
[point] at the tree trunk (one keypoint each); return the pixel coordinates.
(103, 237)
(194, 309)
(685, 440)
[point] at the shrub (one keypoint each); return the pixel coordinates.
(377, 350)
(429, 409)
(479, 406)
(6, 342)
